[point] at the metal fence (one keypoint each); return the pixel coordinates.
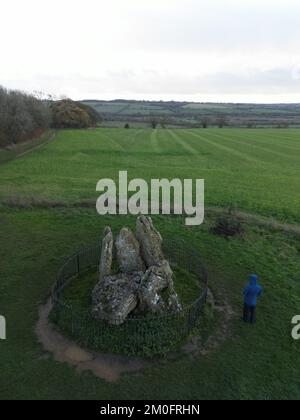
(149, 335)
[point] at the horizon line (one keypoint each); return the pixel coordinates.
(186, 102)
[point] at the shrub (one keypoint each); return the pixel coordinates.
(69, 114)
(228, 225)
(95, 117)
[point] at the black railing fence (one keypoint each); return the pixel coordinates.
(145, 336)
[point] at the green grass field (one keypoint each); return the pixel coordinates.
(257, 171)
(23, 148)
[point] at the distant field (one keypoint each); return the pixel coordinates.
(190, 114)
(254, 170)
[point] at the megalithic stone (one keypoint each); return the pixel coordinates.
(142, 281)
(115, 297)
(106, 254)
(128, 252)
(150, 241)
(156, 291)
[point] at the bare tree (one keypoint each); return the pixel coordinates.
(222, 121)
(153, 121)
(22, 117)
(204, 122)
(163, 121)
(283, 124)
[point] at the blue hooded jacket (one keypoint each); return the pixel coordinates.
(252, 291)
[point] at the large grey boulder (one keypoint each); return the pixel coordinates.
(173, 302)
(115, 297)
(156, 291)
(128, 252)
(150, 241)
(106, 258)
(152, 284)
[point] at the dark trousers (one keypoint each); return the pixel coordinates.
(249, 314)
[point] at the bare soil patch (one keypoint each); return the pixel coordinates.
(105, 366)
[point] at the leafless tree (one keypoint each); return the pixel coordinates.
(153, 121)
(222, 120)
(22, 116)
(163, 121)
(283, 124)
(204, 122)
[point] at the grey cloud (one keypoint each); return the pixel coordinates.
(222, 26)
(268, 82)
(131, 83)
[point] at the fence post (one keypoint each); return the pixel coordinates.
(78, 265)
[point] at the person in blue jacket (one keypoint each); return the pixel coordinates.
(251, 294)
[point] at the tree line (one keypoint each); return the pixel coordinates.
(220, 121)
(24, 117)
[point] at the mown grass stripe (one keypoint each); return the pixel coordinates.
(250, 144)
(184, 144)
(227, 149)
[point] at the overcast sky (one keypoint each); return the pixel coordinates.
(195, 50)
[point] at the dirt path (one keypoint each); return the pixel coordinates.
(37, 202)
(29, 150)
(105, 366)
(111, 367)
(260, 220)
(52, 137)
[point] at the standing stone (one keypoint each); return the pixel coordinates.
(166, 272)
(156, 292)
(106, 253)
(128, 252)
(173, 301)
(149, 292)
(150, 241)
